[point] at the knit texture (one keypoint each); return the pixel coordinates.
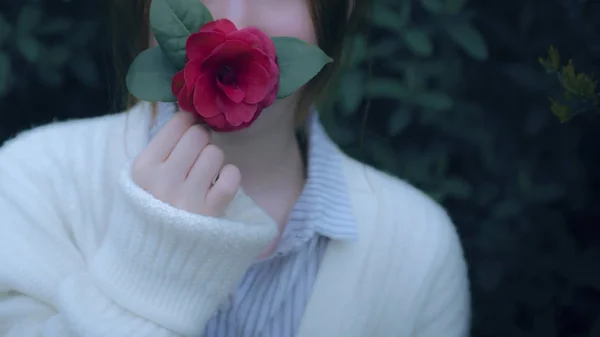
(85, 252)
(272, 297)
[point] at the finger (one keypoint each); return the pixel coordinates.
(187, 151)
(206, 168)
(224, 190)
(161, 146)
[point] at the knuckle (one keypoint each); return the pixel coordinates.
(140, 174)
(183, 118)
(213, 153)
(198, 133)
(138, 167)
(229, 181)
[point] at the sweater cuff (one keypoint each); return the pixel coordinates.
(173, 267)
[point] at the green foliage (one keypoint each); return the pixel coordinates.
(173, 21)
(579, 88)
(419, 77)
(150, 76)
(53, 47)
(465, 118)
(299, 62)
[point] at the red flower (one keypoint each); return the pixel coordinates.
(230, 76)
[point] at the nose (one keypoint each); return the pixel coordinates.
(235, 11)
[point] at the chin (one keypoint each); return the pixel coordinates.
(273, 119)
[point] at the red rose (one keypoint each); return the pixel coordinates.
(230, 76)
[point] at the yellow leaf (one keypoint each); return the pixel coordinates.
(554, 58)
(568, 71)
(552, 62)
(561, 111)
(578, 84)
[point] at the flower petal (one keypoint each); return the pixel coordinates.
(235, 113)
(178, 83)
(200, 45)
(218, 123)
(192, 70)
(185, 100)
(255, 38)
(254, 80)
(181, 91)
(259, 57)
(221, 25)
(233, 92)
(270, 65)
(226, 53)
(205, 95)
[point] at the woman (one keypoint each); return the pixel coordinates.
(135, 224)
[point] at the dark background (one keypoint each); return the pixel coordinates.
(448, 94)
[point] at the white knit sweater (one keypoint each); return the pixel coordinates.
(86, 252)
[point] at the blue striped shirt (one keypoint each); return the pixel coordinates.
(272, 297)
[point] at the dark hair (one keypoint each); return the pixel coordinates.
(332, 24)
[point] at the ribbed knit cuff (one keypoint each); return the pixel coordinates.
(173, 267)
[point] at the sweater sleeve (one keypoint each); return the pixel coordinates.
(445, 310)
(157, 271)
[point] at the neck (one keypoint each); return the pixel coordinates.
(268, 155)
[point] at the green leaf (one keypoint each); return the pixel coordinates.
(5, 68)
(507, 208)
(358, 51)
(434, 100)
(5, 29)
(433, 6)
(454, 6)
(418, 42)
(298, 63)
(386, 88)
(51, 76)
(57, 56)
(173, 21)
(399, 120)
(352, 91)
(84, 69)
(55, 26)
(385, 17)
(470, 39)
(150, 76)
(30, 48)
(384, 49)
(562, 111)
(457, 187)
(81, 35)
(29, 18)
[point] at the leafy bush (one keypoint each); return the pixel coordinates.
(478, 134)
(50, 61)
(447, 94)
(579, 95)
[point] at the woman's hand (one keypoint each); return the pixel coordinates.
(180, 167)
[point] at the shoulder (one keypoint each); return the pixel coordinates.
(71, 143)
(421, 246)
(408, 216)
(57, 135)
(400, 202)
(77, 160)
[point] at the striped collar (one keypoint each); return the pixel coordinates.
(324, 206)
(330, 212)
